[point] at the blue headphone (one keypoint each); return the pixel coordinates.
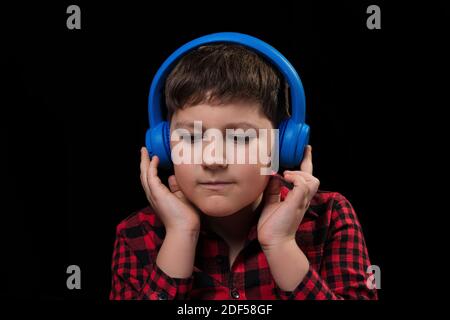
(293, 132)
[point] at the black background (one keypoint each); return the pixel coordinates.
(75, 115)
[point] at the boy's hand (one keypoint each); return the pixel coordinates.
(171, 206)
(279, 221)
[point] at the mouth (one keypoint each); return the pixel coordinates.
(215, 185)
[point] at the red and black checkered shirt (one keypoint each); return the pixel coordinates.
(330, 236)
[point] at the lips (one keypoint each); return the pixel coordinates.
(215, 182)
(216, 185)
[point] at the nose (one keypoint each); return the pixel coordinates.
(214, 162)
(214, 165)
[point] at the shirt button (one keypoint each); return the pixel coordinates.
(162, 296)
(234, 293)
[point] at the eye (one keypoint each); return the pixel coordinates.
(239, 139)
(195, 138)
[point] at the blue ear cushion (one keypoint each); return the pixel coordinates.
(157, 141)
(166, 130)
(281, 131)
(303, 140)
(293, 140)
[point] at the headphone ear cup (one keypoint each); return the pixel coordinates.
(157, 141)
(303, 140)
(293, 139)
(281, 131)
(167, 145)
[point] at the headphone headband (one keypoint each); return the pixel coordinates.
(155, 99)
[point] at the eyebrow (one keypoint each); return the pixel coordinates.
(243, 124)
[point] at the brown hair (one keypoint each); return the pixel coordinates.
(226, 73)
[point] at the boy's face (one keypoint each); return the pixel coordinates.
(244, 182)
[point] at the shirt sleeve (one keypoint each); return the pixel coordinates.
(342, 273)
(132, 280)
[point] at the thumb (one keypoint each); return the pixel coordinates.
(175, 188)
(272, 192)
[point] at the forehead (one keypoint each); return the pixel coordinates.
(221, 116)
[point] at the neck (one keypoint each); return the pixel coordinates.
(235, 228)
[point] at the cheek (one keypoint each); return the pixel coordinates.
(185, 177)
(251, 181)
(261, 150)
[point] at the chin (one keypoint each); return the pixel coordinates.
(217, 207)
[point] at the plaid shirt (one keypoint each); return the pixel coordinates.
(329, 235)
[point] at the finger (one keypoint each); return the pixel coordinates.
(144, 165)
(303, 190)
(145, 161)
(157, 188)
(144, 184)
(308, 177)
(307, 165)
(311, 181)
(175, 188)
(299, 195)
(297, 179)
(272, 192)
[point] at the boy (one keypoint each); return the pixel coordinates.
(222, 230)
